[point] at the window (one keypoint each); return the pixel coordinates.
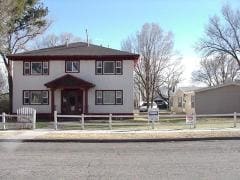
(99, 67)
(27, 68)
(108, 67)
(99, 97)
(109, 97)
(192, 101)
(179, 101)
(72, 66)
(118, 67)
(35, 97)
(118, 97)
(36, 68)
(45, 68)
(26, 97)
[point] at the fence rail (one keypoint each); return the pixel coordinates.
(108, 121)
(113, 121)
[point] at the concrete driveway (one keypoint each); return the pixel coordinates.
(168, 160)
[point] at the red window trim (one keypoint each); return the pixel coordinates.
(102, 97)
(72, 61)
(23, 103)
(30, 70)
(115, 63)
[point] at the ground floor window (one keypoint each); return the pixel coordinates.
(109, 97)
(35, 97)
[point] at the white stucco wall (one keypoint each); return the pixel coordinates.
(87, 72)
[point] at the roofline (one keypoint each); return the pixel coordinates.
(15, 57)
(219, 86)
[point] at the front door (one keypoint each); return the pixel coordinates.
(72, 102)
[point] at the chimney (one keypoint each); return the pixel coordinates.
(66, 41)
(87, 37)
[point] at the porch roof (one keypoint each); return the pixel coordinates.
(68, 81)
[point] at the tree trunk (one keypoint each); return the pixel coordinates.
(10, 89)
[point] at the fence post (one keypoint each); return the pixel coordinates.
(153, 124)
(235, 119)
(34, 119)
(55, 120)
(4, 120)
(82, 123)
(110, 121)
(194, 120)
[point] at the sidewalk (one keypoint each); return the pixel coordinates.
(117, 135)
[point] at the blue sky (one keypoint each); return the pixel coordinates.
(110, 21)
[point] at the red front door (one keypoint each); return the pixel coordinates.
(72, 102)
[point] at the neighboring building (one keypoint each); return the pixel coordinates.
(182, 101)
(74, 79)
(221, 99)
(218, 100)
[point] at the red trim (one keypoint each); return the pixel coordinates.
(30, 68)
(71, 71)
(52, 101)
(115, 67)
(29, 104)
(102, 97)
(69, 81)
(72, 57)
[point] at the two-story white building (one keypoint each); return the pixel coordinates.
(74, 79)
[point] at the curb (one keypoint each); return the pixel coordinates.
(116, 140)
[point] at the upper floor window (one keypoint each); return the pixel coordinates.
(36, 68)
(108, 67)
(72, 66)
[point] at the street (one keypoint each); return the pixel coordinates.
(166, 160)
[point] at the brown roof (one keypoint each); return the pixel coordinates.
(79, 50)
(69, 81)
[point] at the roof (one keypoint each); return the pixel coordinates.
(219, 86)
(80, 50)
(189, 88)
(68, 81)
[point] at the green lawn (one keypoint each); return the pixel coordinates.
(141, 124)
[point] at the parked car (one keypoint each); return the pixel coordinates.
(161, 104)
(143, 107)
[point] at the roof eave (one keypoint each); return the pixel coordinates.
(74, 57)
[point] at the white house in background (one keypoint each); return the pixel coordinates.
(74, 79)
(182, 101)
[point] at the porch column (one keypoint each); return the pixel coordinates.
(86, 101)
(52, 101)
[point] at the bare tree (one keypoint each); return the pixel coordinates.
(24, 21)
(222, 35)
(3, 80)
(156, 49)
(52, 40)
(172, 76)
(217, 70)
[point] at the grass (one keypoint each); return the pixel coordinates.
(141, 124)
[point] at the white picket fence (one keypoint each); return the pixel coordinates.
(109, 117)
(24, 117)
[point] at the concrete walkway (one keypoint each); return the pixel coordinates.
(49, 135)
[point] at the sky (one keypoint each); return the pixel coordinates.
(109, 22)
